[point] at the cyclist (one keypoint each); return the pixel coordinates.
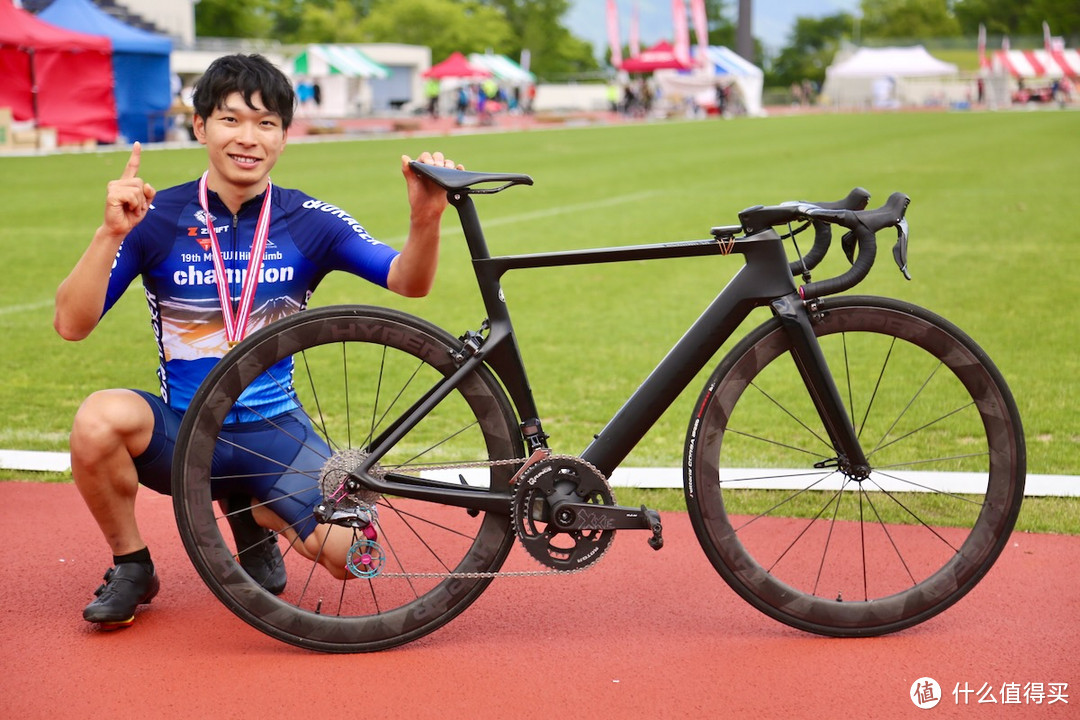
(198, 247)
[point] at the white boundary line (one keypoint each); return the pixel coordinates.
(26, 307)
(1044, 485)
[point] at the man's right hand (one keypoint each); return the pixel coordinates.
(128, 199)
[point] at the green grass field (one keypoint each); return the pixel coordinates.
(992, 248)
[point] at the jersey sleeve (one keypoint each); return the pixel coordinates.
(137, 253)
(332, 239)
(127, 265)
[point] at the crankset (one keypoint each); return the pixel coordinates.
(565, 515)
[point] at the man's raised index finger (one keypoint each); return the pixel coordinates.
(132, 168)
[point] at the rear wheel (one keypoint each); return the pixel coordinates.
(833, 554)
(357, 370)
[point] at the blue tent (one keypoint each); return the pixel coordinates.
(140, 66)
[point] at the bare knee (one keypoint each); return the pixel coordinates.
(108, 422)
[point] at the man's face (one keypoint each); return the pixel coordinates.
(243, 144)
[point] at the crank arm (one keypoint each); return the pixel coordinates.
(568, 516)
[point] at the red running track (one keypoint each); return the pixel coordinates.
(641, 635)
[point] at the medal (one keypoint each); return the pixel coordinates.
(236, 324)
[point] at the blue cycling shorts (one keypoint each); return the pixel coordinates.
(276, 461)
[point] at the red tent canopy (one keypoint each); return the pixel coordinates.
(456, 66)
(660, 56)
(59, 78)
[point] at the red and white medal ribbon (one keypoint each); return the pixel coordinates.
(236, 325)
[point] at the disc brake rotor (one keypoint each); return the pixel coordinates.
(545, 483)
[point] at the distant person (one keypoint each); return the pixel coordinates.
(432, 88)
(122, 439)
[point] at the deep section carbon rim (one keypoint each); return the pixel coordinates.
(357, 370)
(829, 553)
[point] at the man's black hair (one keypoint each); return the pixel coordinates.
(247, 75)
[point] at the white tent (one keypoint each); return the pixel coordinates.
(725, 68)
(746, 76)
(874, 76)
(503, 68)
(341, 73)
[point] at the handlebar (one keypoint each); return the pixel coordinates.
(849, 213)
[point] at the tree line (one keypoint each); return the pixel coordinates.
(510, 26)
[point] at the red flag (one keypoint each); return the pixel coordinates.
(613, 33)
(701, 29)
(682, 31)
(635, 34)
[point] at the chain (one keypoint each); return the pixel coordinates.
(477, 575)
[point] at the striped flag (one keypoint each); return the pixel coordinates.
(984, 62)
(682, 31)
(701, 28)
(613, 33)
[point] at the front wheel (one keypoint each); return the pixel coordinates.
(316, 390)
(846, 556)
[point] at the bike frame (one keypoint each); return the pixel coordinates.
(765, 279)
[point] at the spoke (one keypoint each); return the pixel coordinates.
(888, 534)
(921, 428)
(805, 529)
(928, 488)
(918, 519)
(403, 514)
(771, 476)
(397, 397)
(791, 415)
(945, 458)
(847, 377)
(348, 404)
(862, 544)
(750, 436)
(904, 411)
(436, 445)
(315, 400)
(780, 504)
(877, 386)
(828, 537)
(378, 396)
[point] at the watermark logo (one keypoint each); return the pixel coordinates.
(925, 693)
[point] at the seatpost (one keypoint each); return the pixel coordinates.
(470, 223)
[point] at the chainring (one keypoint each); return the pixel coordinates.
(553, 479)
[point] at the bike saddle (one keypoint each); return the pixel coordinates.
(452, 179)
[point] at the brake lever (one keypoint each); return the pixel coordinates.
(899, 250)
(848, 242)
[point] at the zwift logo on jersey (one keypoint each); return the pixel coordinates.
(345, 217)
(200, 233)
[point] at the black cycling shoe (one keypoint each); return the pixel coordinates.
(127, 586)
(256, 547)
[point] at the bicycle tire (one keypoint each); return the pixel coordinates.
(828, 554)
(345, 358)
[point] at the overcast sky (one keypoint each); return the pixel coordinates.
(772, 21)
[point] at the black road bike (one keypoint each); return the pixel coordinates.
(862, 413)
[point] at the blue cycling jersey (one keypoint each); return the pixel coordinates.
(171, 250)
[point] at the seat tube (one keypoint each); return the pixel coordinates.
(810, 361)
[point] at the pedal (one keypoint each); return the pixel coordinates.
(652, 518)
